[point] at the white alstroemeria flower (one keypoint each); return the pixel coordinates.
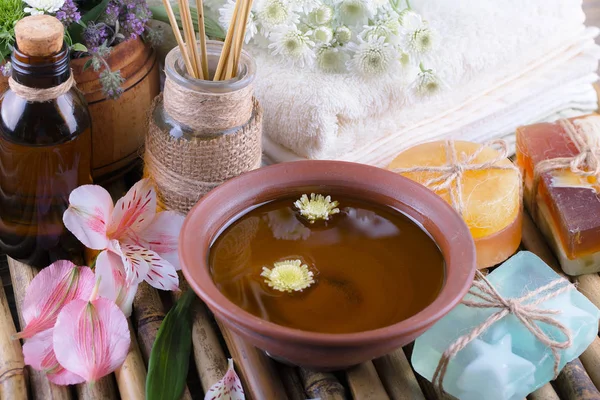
(427, 83)
(331, 59)
(321, 15)
(38, 7)
(355, 12)
(276, 13)
(323, 34)
(294, 45)
(226, 13)
(343, 34)
(372, 57)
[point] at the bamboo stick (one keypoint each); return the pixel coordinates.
(177, 34)
(41, 388)
(211, 362)
(291, 382)
(365, 383)
(322, 385)
(573, 383)
(256, 370)
(12, 366)
(148, 314)
(546, 392)
(131, 376)
(589, 285)
(227, 45)
(430, 392)
(202, 34)
(397, 376)
(104, 388)
(591, 361)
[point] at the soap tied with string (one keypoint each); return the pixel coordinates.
(480, 183)
(508, 360)
(560, 164)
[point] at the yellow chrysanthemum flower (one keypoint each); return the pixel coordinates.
(288, 276)
(317, 207)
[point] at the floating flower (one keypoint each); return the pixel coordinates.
(39, 354)
(372, 56)
(331, 59)
(91, 338)
(285, 225)
(427, 83)
(228, 388)
(38, 7)
(50, 291)
(146, 242)
(288, 276)
(317, 207)
(322, 15)
(226, 13)
(293, 44)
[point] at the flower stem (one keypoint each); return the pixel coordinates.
(408, 4)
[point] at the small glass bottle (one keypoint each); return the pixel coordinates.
(45, 146)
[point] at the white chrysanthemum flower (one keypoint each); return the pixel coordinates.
(372, 56)
(331, 59)
(377, 30)
(308, 5)
(343, 34)
(317, 207)
(418, 37)
(288, 276)
(354, 12)
(321, 15)
(38, 7)
(323, 34)
(226, 14)
(427, 83)
(294, 45)
(276, 13)
(410, 20)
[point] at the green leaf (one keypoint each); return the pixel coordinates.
(168, 366)
(76, 30)
(212, 27)
(79, 47)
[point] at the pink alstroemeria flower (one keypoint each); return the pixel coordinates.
(39, 354)
(50, 291)
(144, 241)
(228, 388)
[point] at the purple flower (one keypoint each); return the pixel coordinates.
(133, 18)
(111, 15)
(6, 69)
(68, 14)
(94, 35)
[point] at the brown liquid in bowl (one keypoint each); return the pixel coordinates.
(373, 266)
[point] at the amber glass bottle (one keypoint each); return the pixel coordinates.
(45, 146)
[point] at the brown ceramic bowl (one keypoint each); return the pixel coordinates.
(321, 350)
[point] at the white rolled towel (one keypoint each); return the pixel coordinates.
(506, 63)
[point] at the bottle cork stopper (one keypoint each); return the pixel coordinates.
(39, 35)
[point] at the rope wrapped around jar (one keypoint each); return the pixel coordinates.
(201, 133)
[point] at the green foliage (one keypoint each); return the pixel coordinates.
(10, 12)
(76, 30)
(169, 360)
(212, 27)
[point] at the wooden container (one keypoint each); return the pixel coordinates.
(119, 126)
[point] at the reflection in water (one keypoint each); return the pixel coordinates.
(285, 225)
(371, 224)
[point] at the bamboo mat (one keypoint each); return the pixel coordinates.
(389, 377)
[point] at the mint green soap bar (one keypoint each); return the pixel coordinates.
(507, 362)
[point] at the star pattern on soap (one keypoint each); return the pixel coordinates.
(505, 372)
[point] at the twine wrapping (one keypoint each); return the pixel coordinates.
(451, 173)
(525, 310)
(36, 95)
(186, 169)
(586, 163)
(206, 112)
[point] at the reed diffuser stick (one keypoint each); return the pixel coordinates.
(241, 35)
(177, 33)
(202, 34)
(227, 45)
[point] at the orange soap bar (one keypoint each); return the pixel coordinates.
(566, 206)
(491, 197)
